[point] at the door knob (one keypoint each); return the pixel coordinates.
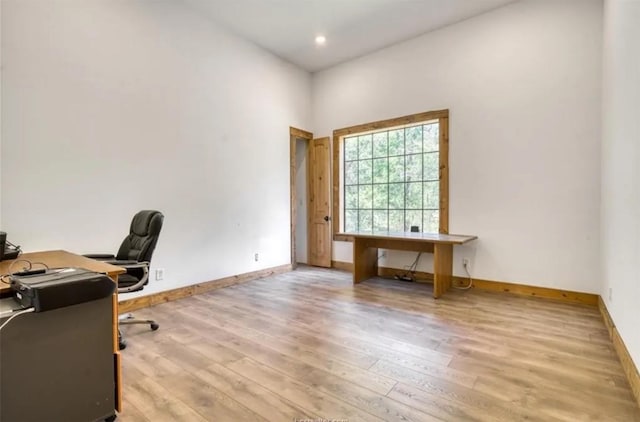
(327, 218)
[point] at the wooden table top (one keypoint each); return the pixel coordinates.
(58, 259)
(450, 239)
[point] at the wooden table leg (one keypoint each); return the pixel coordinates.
(117, 359)
(442, 268)
(365, 260)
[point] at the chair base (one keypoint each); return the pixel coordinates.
(128, 319)
(122, 344)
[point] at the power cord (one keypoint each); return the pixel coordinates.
(412, 269)
(11, 272)
(16, 314)
(28, 268)
(466, 269)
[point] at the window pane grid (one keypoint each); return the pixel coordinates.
(387, 209)
(384, 184)
(405, 161)
(392, 156)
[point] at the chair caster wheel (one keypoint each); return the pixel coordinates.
(154, 326)
(122, 345)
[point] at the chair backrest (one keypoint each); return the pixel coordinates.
(143, 236)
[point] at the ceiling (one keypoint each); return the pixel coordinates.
(353, 28)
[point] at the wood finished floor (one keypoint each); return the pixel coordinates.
(307, 344)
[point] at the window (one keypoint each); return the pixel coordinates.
(392, 175)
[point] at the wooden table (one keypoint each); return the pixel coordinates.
(366, 244)
(64, 259)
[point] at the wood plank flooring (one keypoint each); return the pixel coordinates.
(309, 345)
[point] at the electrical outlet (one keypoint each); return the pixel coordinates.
(610, 294)
(465, 262)
(159, 274)
(256, 257)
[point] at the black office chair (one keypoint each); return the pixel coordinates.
(135, 256)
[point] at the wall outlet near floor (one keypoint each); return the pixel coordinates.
(465, 262)
(610, 294)
(159, 273)
(256, 257)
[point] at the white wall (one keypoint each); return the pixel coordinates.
(112, 106)
(522, 84)
(621, 169)
(301, 199)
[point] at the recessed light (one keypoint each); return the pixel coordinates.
(321, 40)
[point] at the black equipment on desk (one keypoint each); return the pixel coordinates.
(57, 288)
(7, 249)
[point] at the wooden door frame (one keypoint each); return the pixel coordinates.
(294, 135)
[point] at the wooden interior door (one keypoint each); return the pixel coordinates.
(319, 203)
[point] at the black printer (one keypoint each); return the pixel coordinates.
(56, 288)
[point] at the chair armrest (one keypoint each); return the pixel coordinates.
(133, 265)
(127, 263)
(99, 256)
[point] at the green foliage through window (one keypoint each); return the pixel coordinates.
(391, 180)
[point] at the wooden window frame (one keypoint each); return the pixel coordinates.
(339, 134)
